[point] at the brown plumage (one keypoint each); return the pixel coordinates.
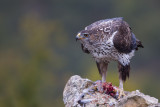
(110, 40)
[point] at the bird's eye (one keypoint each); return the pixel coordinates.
(86, 35)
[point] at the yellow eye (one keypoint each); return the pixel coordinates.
(86, 35)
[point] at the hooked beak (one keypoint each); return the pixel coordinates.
(79, 37)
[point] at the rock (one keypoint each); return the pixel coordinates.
(78, 93)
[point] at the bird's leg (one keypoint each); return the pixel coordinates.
(120, 90)
(102, 68)
(123, 74)
(120, 82)
(104, 74)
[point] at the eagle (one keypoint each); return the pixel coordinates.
(110, 40)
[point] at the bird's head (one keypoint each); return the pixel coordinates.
(83, 36)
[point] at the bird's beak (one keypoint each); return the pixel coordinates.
(79, 37)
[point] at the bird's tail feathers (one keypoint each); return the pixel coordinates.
(139, 44)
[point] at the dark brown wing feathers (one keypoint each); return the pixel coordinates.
(125, 41)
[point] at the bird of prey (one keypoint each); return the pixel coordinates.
(110, 40)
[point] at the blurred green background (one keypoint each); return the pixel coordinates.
(38, 51)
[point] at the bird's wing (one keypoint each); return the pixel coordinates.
(124, 40)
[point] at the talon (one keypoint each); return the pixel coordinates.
(99, 86)
(120, 93)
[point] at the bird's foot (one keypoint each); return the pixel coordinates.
(120, 93)
(99, 86)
